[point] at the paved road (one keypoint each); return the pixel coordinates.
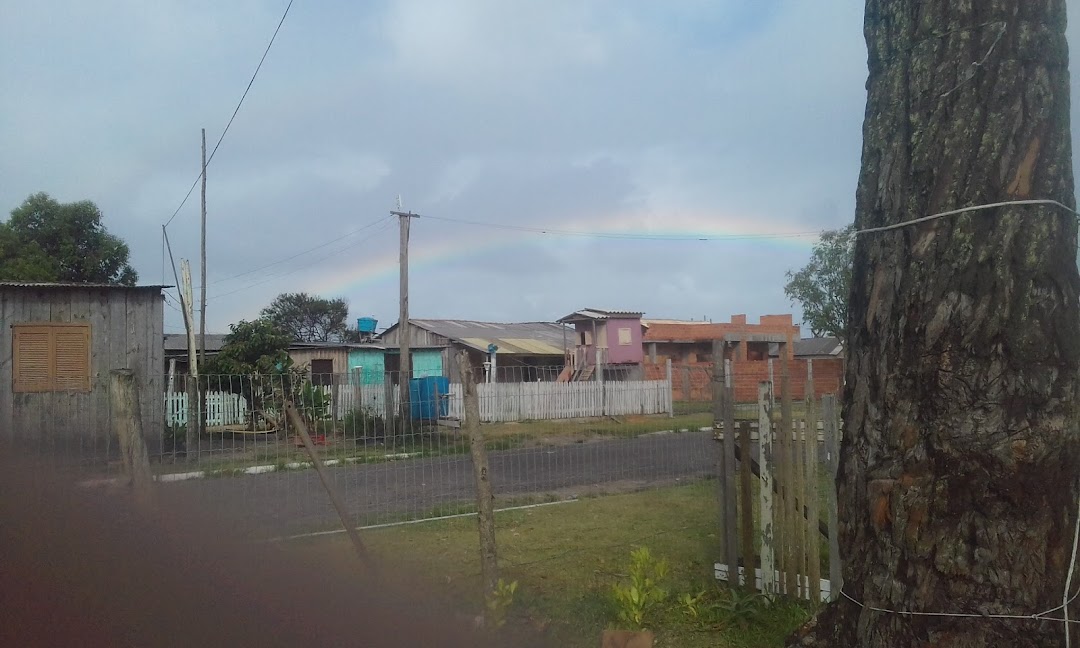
(284, 503)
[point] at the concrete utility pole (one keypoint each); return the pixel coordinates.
(404, 331)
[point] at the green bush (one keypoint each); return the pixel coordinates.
(638, 598)
(364, 423)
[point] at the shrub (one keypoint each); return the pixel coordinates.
(643, 593)
(364, 423)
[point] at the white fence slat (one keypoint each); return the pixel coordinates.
(499, 402)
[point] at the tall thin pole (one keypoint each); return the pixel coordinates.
(202, 281)
(404, 330)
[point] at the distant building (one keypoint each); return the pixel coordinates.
(176, 350)
(606, 343)
(748, 347)
(523, 351)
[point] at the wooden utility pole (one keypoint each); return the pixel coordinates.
(404, 330)
(202, 281)
(957, 485)
(193, 362)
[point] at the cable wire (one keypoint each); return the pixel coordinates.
(303, 267)
(235, 111)
(965, 210)
(299, 254)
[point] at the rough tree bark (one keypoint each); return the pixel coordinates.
(958, 469)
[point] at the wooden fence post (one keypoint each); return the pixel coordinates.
(791, 522)
(746, 502)
(723, 419)
(768, 466)
(813, 516)
(731, 505)
(127, 424)
(832, 448)
(293, 417)
(485, 500)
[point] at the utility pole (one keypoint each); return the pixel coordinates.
(202, 281)
(194, 411)
(404, 331)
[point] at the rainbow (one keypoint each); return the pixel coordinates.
(428, 252)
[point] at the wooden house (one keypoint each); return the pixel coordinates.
(523, 351)
(607, 345)
(59, 343)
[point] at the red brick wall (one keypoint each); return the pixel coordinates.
(828, 378)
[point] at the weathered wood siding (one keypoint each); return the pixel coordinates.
(419, 338)
(126, 332)
(339, 355)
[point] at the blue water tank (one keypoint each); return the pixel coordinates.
(428, 398)
(366, 324)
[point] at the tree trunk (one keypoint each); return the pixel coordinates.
(958, 468)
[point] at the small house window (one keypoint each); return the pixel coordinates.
(625, 339)
(50, 357)
(322, 372)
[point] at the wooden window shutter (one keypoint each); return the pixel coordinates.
(72, 356)
(51, 357)
(32, 359)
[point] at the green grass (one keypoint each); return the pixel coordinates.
(621, 427)
(566, 559)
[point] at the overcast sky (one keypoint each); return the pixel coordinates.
(682, 117)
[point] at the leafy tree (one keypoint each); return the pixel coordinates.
(258, 347)
(45, 240)
(308, 318)
(823, 284)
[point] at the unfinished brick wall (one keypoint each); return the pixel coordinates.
(828, 378)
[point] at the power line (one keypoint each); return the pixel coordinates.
(299, 254)
(386, 223)
(632, 237)
(235, 111)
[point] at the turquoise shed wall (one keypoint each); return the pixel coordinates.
(427, 362)
(371, 361)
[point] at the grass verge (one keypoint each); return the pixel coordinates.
(433, 441)
(567, 559)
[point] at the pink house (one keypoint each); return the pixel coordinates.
(606, 340)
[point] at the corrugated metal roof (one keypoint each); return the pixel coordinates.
(598, 314)
(178, 341)
(48, 284)
(518, 338)
(822, 346)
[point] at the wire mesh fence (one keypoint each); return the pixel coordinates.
(398, 454)
(582, 470)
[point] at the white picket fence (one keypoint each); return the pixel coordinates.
(534, 401)
(221, 409)
(499, 402)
